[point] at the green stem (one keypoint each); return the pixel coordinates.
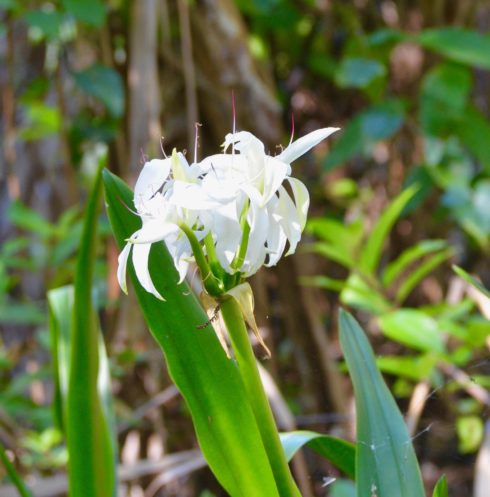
(242, 250)
(14, 476)
(213, 286)
(242, 348)
(214, 264)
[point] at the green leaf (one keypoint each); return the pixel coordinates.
(91, 12)
(41, 121)
(13, 475)
(104, 84)
(60, 304)
(414, 329)
(358, 293)
(332, 252)
(90, 447)
(373, 249)
(47, 23)
(325, 282)
(441, 490)
(379, 122)
(414, 278)
(408, 257)
(208, 380)
(458, 44)
(470, 430)
(443, 98)
(358, 73)
(339, 452)
(385, 460)
(414, 368)
(343, 238)
(29, 220)
(471, 280)
(473, 130)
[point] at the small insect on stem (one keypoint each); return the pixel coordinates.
(212, 319)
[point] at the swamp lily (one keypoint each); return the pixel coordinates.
(230, 213)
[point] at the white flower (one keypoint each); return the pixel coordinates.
(249, 183)
(233, 206)
(161, 220)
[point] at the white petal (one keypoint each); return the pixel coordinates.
(276, 238)
(190, 196)
(303, 144)
(301, 199)
(140, 263)
(288, 217)
(275, 173)
(258, 220)
(152, 177)
(122, 263)
(226, 226)
(154, 230)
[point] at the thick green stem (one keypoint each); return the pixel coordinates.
(242, 348)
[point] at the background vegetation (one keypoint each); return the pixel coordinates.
(402, 193)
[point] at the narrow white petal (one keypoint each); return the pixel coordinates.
(288, 217)
(276, 238)
(258, 220)
(303, 144)
(141, 253)
(122, 263)
(153, 231)
(275, 173)
(152, 177)
(301, 199)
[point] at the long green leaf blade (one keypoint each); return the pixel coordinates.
(385, 464)
(61, 308)
(372, 252)
(208, 380)
(14, 476)
(340, 453)
(92, 459)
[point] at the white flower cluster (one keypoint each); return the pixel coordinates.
(234, 205)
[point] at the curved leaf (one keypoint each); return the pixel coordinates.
(385, 460)
(339, 452)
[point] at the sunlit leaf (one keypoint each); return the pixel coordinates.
(358, 293)
(418, 274)
(408, 257)
(371, 253)
(441, 490)
(386, 464)
(415, 368)
(470, 430)
(414, 329)
(471, 280)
